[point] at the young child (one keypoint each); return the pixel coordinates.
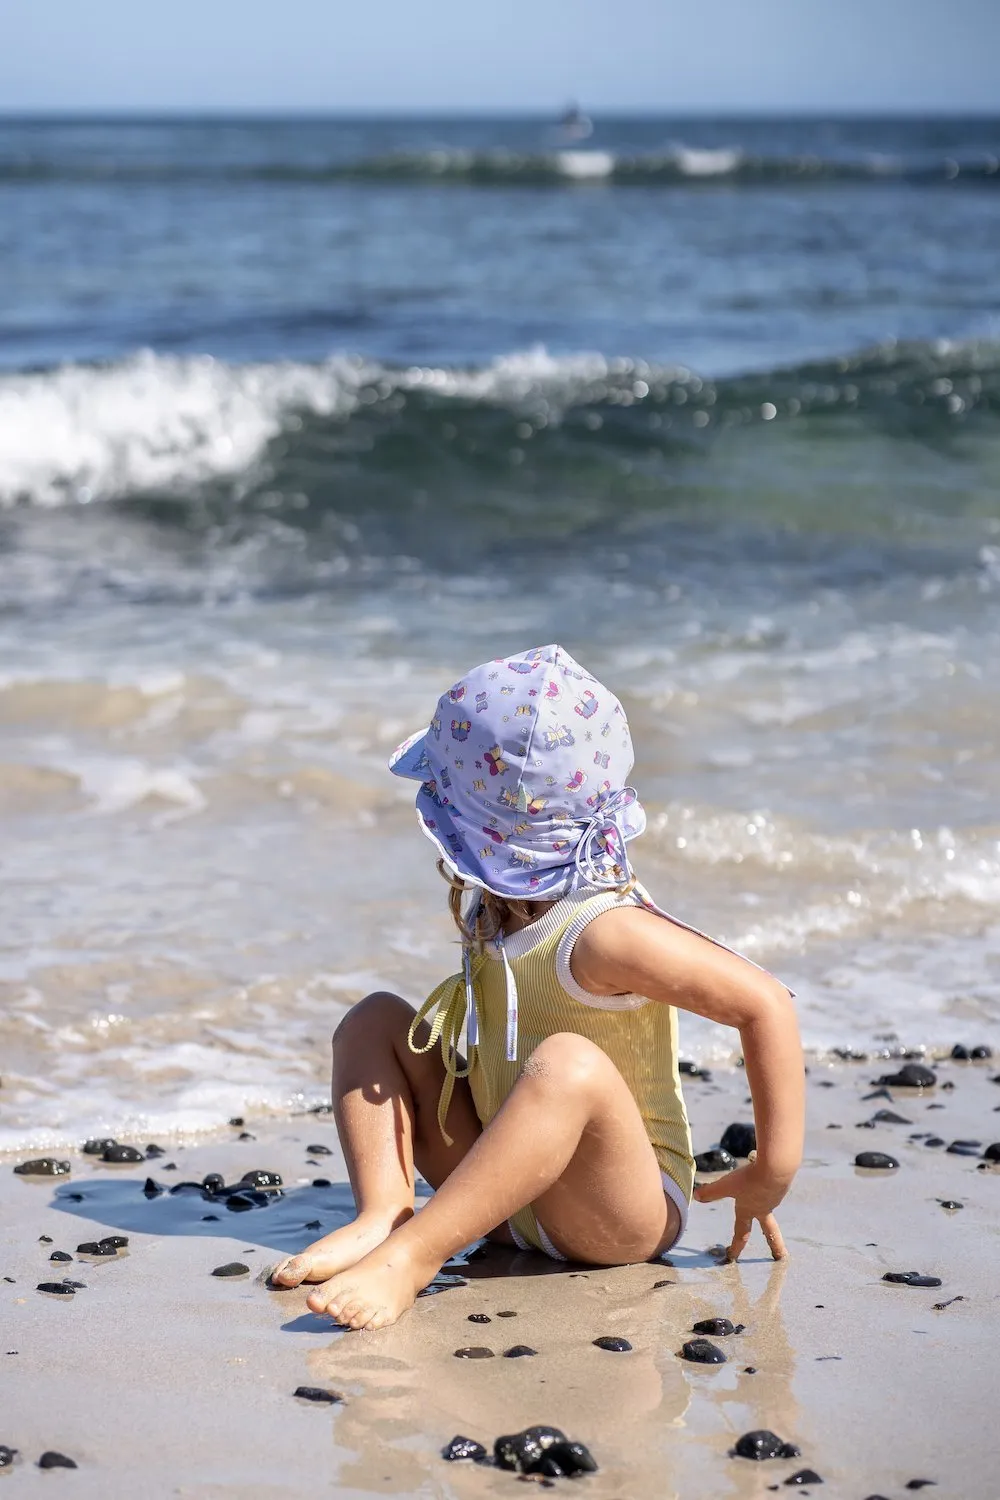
(566, 1130)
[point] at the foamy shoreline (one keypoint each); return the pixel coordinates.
(159, 1376)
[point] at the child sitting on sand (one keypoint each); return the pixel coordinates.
(566, 1130)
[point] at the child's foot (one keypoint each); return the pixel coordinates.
(376, 1291)
(339, 1250)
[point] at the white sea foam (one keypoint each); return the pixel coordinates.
(586, 166)
(706, 163)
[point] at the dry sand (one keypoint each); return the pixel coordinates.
(159, 1379)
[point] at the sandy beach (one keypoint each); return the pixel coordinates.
(157, 1378)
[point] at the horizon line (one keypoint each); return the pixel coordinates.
(360, 112)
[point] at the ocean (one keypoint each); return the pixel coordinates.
(299, 419)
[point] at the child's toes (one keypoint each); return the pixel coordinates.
(291, 1272)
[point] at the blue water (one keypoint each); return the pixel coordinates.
(299, 419)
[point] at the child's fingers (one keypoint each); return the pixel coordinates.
(741, 1234)
(772, 1234)
(710, 1192)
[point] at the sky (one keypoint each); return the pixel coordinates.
(480, 55)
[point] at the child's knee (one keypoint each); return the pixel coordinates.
(567, 1062)
(381, 1012)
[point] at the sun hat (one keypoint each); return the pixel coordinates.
(523, 771)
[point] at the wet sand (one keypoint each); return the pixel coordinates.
(159, 1378)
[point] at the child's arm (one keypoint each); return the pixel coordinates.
(632, 950)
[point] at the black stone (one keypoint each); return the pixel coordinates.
(749, 1369)
(153, 1149)
(888, 1117)
(122, 1154)
(60, 1255)
(152, 1189)
(233, 1268)
(45, 1239)
(739, 1140)
(992, 1153)
(318, 1394)
(566, 1460)
(522, 1451)
(7, 1456)
(261, 1179)
(238, 1121)
(116, 1241)
(43, 1166)
(934, 1140)
(213, 1183)
(321, 1182)
(720, 1327)
(519, 1351)
(210, 1218)
(919, 1484)
(981, 1054)
(716, 1160)
(657, 1284)
(98, 1146)
(911, 1278)
(703, 1352)
(180, 1188)
(506, 1314)
(762, 1444)
(319, 1151)
(965, 1148)
(612, 1344)
(910, 1076)
(950, 1203)
(463, 1447)
(875, 1160)
(960, 1053)
(480, 1318)
(53, 1460)
(245, 1135)
(804, 1476)
(74, 1286)
(95, 1248)
(55, 1288)
(475, 1351)
(313, 1224)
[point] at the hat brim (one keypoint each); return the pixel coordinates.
(410, 759)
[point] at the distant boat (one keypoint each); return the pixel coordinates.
(574, 125)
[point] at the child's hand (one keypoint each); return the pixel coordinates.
(757, 1193)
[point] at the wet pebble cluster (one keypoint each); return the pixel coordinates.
(540, 1450)
(50, 1459)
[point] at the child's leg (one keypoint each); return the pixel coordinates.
(385, 1100)
(569, 1140)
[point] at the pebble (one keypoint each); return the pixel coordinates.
(519, 1351)
(612, 1344)
(703, 1352)
(7, 1456)
(719, 1326)
(60, 1255)
(739, 1140)
(715, 1160)
(97, 1147)
(689, 1069)
(245, 1135)
(45, 1239)
(480, 1318)
(234, 1268)
(318, 1394)
(950, 1203)
(122, 1154)
(321, 1182)
(749, 1369)
(992, 1153)
(116, 1241)
(476, 1351)
(889, 1117)
(463, 1447)
(981, 1054)
(261, 1179)
(319, 1151)
(657, 1284)
(763, 1444)
(919, 1484)
(313, 1224)
(213, 1182)
(151, 1189)
(53, 1460)
(804, 1476)
(43, 1166)
(566, 1460)
(911, 1278)
(910, 1076)
(95, 1248)
(55, 1288)
(238, 1121)
(506, 1314)
(153, 1149)
(210, 1218)
(965, 1148)
(523, 1451)
(874, 1160)
(934, 1140)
